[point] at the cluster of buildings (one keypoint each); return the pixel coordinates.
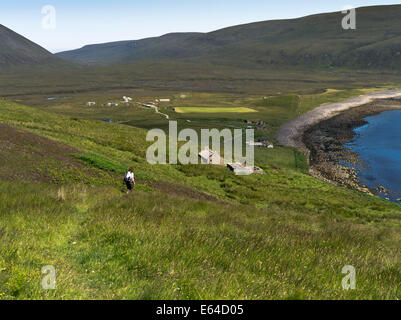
(128, 100)
(94, 104)
(109, 104)
(208, 156)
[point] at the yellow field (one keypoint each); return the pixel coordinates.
(213, 110)
(328, 91)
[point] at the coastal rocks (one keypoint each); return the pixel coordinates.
(330, 156)
(346, 176)
(290, 134)
(382, 189)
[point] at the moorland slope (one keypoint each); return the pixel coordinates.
(16, 51)
(312, 41)
(281, 235)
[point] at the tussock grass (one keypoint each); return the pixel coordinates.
(279, 235)
(100, 162)
(105, 245)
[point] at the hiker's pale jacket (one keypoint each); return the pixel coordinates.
(129, 176)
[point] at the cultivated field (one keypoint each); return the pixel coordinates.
(213, 110)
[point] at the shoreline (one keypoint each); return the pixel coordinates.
(322, 133)
(327, 142)
(290, 134)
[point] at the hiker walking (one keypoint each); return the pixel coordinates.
(129, 179)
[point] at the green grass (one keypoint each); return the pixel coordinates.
(280, 235)
(105, 245)
(101, 162)
(300, 161)
(213, 110)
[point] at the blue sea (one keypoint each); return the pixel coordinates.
(378, 144)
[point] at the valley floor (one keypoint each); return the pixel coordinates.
(187, 232)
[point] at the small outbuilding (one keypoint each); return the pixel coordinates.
(255, 144)
(211, 157)
(244, 170)
(127, 99)
(240, 169)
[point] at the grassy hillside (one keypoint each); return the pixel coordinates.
(188, 232)
(313, 41)
(121, 51)
(17, 51)
(300, 56)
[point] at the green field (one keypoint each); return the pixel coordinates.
(213, 110)
(188, 232)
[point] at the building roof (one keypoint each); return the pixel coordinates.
(211, 157)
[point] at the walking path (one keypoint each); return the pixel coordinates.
(156, 108)
(163, 114)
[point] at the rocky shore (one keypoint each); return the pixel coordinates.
(290, 134)
(327, 139)
(323, 132)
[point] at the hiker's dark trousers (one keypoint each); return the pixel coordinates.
(130, 185)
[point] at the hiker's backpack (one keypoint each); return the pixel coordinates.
(127, 179)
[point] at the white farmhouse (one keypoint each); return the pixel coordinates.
(127, 99)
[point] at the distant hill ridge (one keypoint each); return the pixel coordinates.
(16, 50)
(317, 41)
